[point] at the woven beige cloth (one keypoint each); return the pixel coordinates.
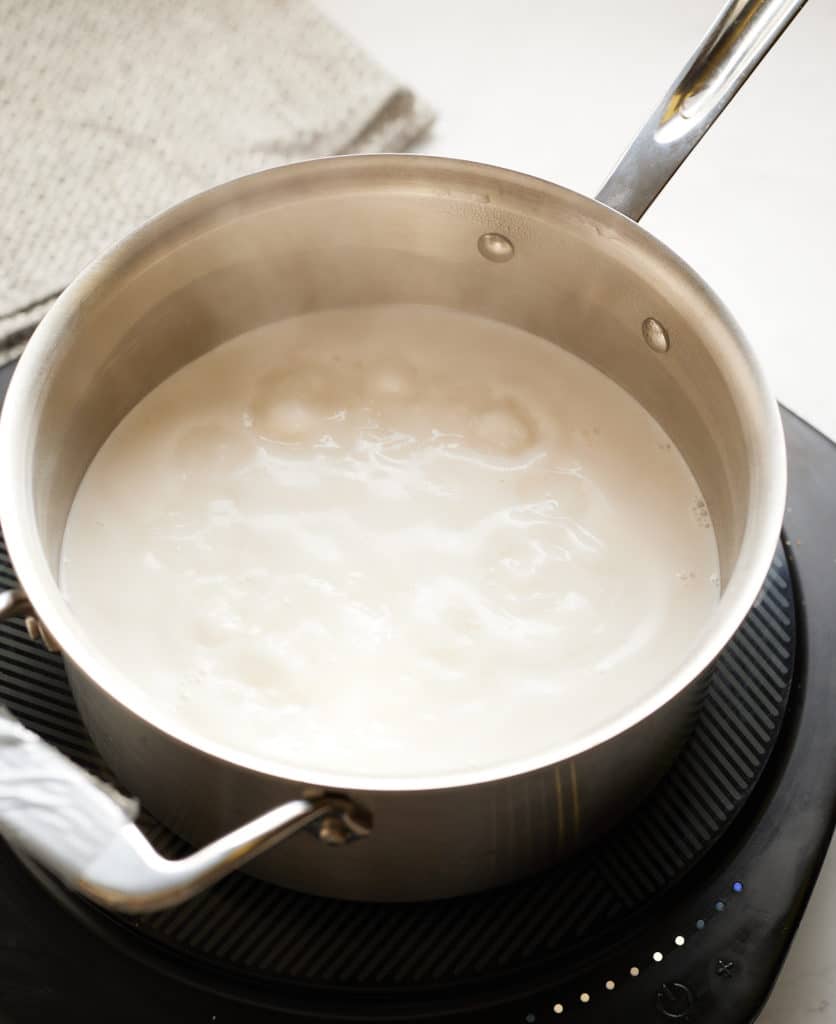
(111, 111)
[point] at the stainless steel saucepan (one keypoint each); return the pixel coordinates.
(365, 230)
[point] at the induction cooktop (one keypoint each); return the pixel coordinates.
(684, 912)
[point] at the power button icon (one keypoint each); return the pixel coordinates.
(674, 1001)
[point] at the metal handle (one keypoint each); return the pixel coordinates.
(129, 875)
(734, 46)
(83, 831)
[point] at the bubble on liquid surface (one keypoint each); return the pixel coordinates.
(292, 406)
(504, 427)
(211, 446)
(287, 419)
(392, 378)
(701, 514)
(217, 624)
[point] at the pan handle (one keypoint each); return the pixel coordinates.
(82, 830)
(734, 46)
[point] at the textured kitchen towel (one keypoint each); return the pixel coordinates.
(110, 111)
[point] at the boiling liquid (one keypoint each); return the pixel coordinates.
(393, 540)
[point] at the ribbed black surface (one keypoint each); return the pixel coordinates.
(249, 927)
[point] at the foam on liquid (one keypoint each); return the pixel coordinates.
(392, 540)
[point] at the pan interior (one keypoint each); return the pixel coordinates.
(401, 541)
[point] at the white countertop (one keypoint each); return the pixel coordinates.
(557, 89)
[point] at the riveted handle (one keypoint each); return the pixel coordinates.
(83, 830)
(734, 46)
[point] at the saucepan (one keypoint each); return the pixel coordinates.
(358, 231)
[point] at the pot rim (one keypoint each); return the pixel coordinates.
(16, 515)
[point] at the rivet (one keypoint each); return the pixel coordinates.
(655, 335)
(496, 248)
(334, 831)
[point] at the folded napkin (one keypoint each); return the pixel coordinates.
(110, 111)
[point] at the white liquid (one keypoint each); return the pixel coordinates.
(396, 541)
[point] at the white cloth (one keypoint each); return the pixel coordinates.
(110, 112)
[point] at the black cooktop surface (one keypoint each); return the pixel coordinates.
(684, 913)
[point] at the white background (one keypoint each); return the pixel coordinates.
(557, 89)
